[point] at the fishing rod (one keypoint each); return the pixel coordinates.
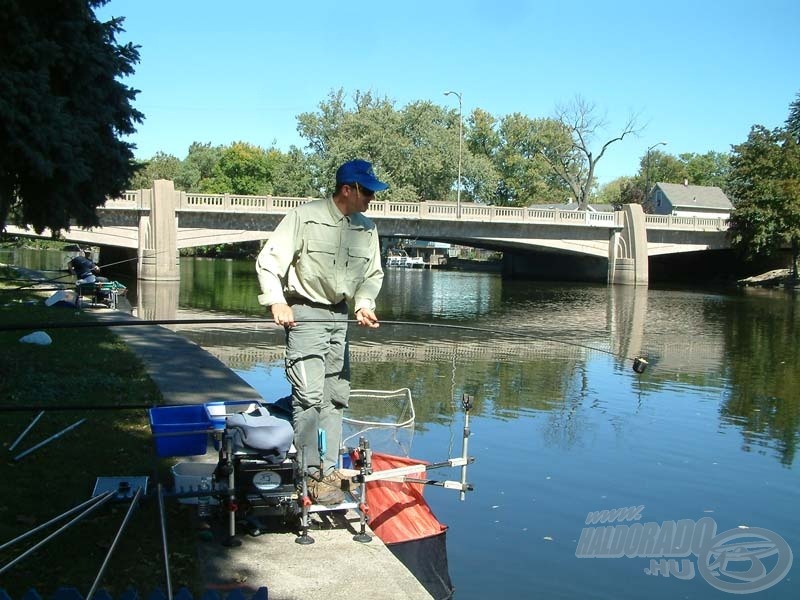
(639, 362)
(33, 283)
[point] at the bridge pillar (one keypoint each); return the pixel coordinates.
(627, 249)
(158, 235)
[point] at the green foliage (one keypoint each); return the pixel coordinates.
(662, 167)
(415, 149)
(765, 183)
(612, 192)
(242, 169)
(62, 112)
(523, 160)
(793, 121)
(292, 174)
(161, 166)
(711, 168)
(198, 167)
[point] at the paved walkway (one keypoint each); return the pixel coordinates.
(335, 567)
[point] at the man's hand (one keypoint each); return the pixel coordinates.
(367, 318)
(282, 315)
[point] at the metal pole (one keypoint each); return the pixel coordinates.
(466, 403)
(48, 440)
(32, 549)
(24, 433)
(163, 520)
(51, 521)
(131, 508)
(460, 145)
(647, 171)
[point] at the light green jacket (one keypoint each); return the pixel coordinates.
(323, 256)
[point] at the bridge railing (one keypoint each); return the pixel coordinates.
(692, 223)
(131, 200)
(493, 214)
(237, 203)
(433, 210)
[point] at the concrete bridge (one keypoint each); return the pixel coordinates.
(158, 222)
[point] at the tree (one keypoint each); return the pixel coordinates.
(413, 149)
(575, 162)
(242, 169)
(526, 177)
(765, 183)
(161, 166)
(198, 167)
(711, 168)
(612, 192)
(62, 112)
(793, 121)
(292, 174)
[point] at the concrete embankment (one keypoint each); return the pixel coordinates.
(334, 567)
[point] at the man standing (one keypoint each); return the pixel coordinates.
(322, 257)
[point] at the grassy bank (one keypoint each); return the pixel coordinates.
(88, 368)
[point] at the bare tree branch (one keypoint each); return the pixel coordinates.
(580, 119)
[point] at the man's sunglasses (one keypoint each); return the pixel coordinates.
(364, 191)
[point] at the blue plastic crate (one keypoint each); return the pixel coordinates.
(180, 430)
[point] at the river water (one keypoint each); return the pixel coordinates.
(703, 443)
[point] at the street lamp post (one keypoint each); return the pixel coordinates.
(460, 140)
(647, 170)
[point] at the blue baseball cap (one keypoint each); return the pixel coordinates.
(360, 172)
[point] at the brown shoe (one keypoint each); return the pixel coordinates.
(339, 480)
(326, 491)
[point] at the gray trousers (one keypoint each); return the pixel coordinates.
(318, 367)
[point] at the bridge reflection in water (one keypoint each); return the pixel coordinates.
(617, 322)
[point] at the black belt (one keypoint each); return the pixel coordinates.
(338, 307)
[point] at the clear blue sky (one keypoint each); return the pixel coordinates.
(698, 73)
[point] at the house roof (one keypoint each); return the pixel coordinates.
(695, 196)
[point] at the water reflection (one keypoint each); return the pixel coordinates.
(541, 346)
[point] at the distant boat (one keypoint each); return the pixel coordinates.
(397, 257)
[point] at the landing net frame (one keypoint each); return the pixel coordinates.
(381, 416)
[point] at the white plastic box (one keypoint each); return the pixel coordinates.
(188, 475)
(218, 411)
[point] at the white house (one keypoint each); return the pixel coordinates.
(684, 200)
